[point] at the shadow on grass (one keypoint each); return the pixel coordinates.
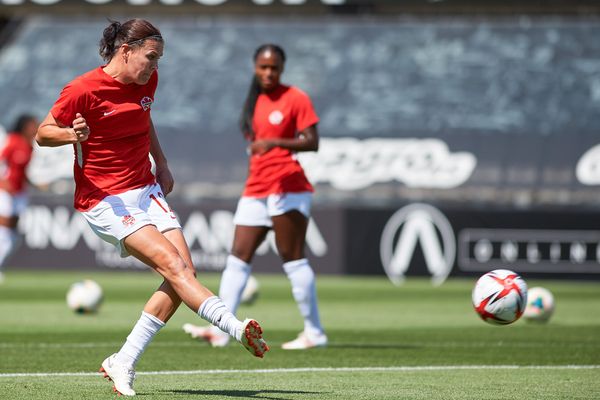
(244, 394)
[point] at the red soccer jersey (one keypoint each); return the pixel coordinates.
(280, 114)
(114, 159)
(16, 155)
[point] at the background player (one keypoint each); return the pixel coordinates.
(105, 114)
(14, 158)
(278, 120)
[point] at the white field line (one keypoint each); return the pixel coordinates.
(194, 343)
(425, 368)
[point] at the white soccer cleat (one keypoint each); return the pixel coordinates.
(252, 339)
(306, 341)
(212, 334)
(120, 375)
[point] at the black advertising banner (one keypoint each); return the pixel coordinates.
(414, 239)
(420, 239)
(56, 237)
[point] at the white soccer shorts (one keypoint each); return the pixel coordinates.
(118, 216)
(257, 211)
(12, 205)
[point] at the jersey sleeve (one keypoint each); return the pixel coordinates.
(72, 100)
(305, 112)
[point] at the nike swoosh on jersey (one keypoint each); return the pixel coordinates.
(108, 113)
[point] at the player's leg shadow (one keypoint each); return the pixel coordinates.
(245, 394)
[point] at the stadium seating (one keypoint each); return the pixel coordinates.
(512, 90)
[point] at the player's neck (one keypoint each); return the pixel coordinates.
(114, 70)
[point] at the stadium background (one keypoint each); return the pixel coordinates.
(465, 130)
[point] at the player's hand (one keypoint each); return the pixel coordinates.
(81, 130)
(165, 179)
(260, 147)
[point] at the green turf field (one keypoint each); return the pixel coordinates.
(409, 342)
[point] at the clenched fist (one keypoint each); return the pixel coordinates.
(80, 128)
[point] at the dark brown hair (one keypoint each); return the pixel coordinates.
(22, 121)
(133, 32)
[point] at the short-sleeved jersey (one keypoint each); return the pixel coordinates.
(114, 158)
(279, 114)
(15, 156)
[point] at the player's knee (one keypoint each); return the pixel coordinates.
(289, 253)
(172, 265)
(243, 254)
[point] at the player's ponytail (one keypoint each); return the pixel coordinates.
(248, 109)
(109, 39)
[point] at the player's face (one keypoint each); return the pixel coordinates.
(268, 68)
(143, 61)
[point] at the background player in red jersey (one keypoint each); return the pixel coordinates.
(14, 158)
(278, 120)
(105, 114)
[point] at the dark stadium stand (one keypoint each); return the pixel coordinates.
(520, 93)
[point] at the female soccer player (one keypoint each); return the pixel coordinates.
(105, 114)
(278, 120)
(14, 158)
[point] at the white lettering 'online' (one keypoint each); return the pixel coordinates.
(588, 167)
(413, 224)
(351, 164)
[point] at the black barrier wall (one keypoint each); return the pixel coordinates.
(56, 237)
(413, 239)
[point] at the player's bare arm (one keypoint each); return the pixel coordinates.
(307, 140)
(52, 133)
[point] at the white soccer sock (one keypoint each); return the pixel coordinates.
(233, 281)
(214, 311)
(304, 290)
(140, 337)
(8, 241)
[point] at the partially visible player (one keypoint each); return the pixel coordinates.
(14, 158)
(278, 120)
(105, 115)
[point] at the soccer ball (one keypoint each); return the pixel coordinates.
(500, 296)
(540, 305)
(84, 297)
(250, 292)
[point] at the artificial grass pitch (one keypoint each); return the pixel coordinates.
(386, 342)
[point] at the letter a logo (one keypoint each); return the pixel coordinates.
(418, 224)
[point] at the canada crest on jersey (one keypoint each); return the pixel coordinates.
(128, 220)
(276, 117)
(146, 103)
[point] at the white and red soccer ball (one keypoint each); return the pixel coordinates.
(500, 296)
